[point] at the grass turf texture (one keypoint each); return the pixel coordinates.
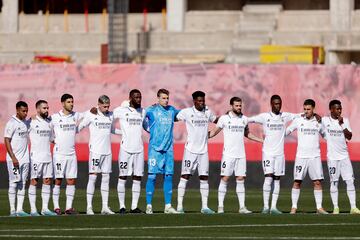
(231, 225)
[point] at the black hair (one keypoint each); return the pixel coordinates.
(275, 97)
(20, 104)
(65, 97)
(235, 99)
(132, 92)
(309, 102)
(334, 102)
(197, 94)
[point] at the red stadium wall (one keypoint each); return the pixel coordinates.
(253, 83)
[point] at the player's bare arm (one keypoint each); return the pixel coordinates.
(214, 132)
(347, 133)
(251, 136)
(10, 152)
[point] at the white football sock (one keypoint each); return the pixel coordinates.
(295, 194)
(90, 190)
(318, 198)
(334, 193)
(70, 194)
(136, 189)
(12, 196)
(266, 191)
(204, 191)
(350, 189)
(32, 198)
(56, 196)
(105, 180)
(181, 192)
(275, 194)
(45, 196)
(20, 196)
(240, 191)
(222, 193)
(121, 192)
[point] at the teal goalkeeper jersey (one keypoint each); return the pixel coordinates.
(161, 123)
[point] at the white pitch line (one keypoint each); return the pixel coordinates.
(181, 227)
(174, 237)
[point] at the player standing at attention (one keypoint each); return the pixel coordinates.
(273, 159)
(100, 158)
(17, 157)
(160, 118)
(337, 131)
(196, 156)
(307, 155)
(233, 160)
(40, 158)
(131, 155)
(65, 162)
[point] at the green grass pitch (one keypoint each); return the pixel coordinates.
(192, 225)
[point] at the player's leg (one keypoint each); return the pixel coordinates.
(187, 168)
(279, 170)
(35, 173)
(105, 168)
(226, 170)
(125, 161)
(168, 170)
(317, 176)
(138, 166)
(347, 173)
(300, 170)
(14, 176)
(45, 192)
(268, 168)
(240, 174)
(153, 169)
(94, 161)
(334, 174)
(24, 172)
(59, 169)
(70, 175)
(203, 169)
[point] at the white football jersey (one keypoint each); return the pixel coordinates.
(40, 138)
(18, 132)
(308, 134)
(101, 127)
(274, 127)
(336, 143)
(64, 128)
(197, 123)
(234, 129)
(131, 124)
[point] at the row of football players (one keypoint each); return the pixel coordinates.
(158, 119)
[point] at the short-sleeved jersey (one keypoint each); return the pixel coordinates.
(336, 143)
(234, 130)
(161, 123)
(197, 123)
(274, 130)
(18, 132)
(131, 124)
(40, 138)
(64, 130)
(308, 134)
(100, 127)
